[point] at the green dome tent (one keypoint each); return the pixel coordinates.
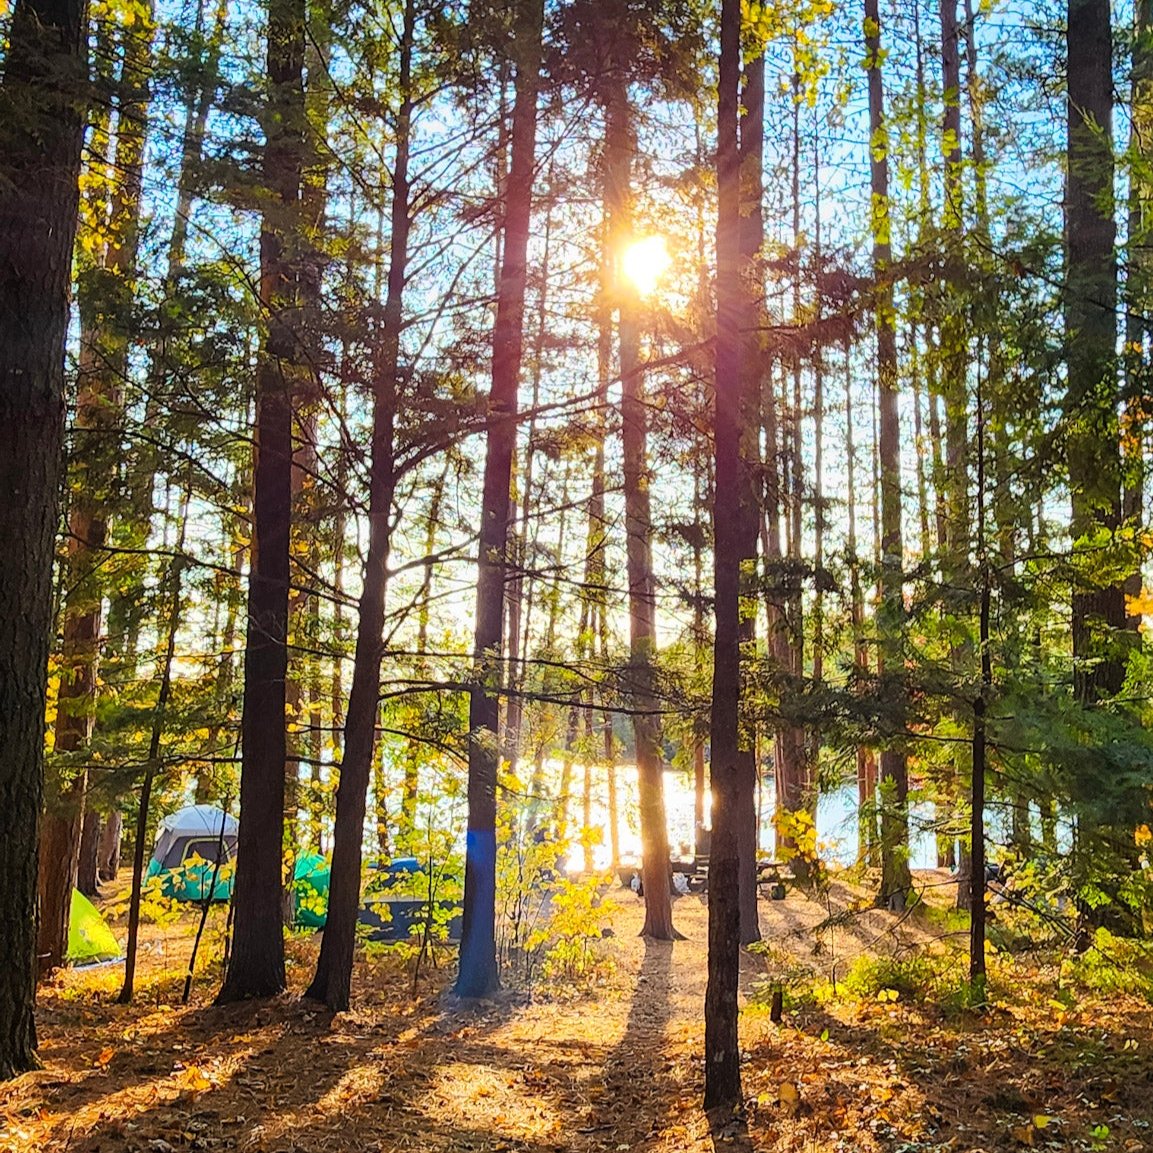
(310, 880)
(90, 940)
(185, 855)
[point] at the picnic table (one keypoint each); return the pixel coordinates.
(772, 876)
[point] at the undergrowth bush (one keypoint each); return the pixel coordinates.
(1110, 966)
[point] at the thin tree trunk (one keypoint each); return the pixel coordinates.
(620, 144)
(752, 235)
(153, 766)
(333, 979)
(478, 975)
(896, 882)
(722, 1049)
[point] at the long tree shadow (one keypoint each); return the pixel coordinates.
(640, 1079)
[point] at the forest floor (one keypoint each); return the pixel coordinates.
(613, 1066)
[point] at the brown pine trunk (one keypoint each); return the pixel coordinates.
(478, 975)
(108, 853)
(256, 961)
(332, 982)
(88, 864)
(620, 145)
(1090, 323)
(722, 1050)
(896, 882)
(752, 235)
(1138, 411)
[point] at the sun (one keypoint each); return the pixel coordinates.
(644, 262)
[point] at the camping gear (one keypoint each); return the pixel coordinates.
(185, 855)
(90, 940)
(391, 919)
(311, 879)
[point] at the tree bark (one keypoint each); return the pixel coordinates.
(896, 882)
(620, 145)
(722, 1049)
(108, 853)
(1091, 333)
(333, 979)
(752, 236)
(41, 126)
(256, 962)
(478, 975)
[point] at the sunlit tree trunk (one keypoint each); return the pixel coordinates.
(620, 144)
(722, 1050)
(478, 971)
(333, 979)
(896, 882)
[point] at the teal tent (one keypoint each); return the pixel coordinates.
(90, 940)
(310, 880)
(186, 850)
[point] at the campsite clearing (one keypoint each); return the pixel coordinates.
(603, 1067)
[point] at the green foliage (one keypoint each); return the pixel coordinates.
(578, 914)
(1111, 966)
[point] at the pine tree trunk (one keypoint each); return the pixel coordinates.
(333, 980)
(620, 145)
(722, 1050)
(752, 236)
(256, 962)
(478, 975)
(108, 854)
(88, 864)
(896, 882)
(1090, 323)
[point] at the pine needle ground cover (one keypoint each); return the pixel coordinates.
(888, 1060)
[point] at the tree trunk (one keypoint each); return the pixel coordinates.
(108, 853)
(752, 236)
(896, 882)
(722, 1050)
(333, 979)
(174, 582)
(88, 864)
(478, 975)
(1091, 335)
(620, 145)
(1138, 410)
(256, 962)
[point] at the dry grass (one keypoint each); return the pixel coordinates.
(616, 1068)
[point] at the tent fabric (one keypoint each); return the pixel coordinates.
(195, 822)
(203, 820)
(194, 834)
(311, 879)
(90, 940)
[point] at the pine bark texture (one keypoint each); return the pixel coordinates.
(42, 102)
(256, 962)
(478, 976)
(722, 1050)
(1091, 333)
(333, 979)
(896, 882)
